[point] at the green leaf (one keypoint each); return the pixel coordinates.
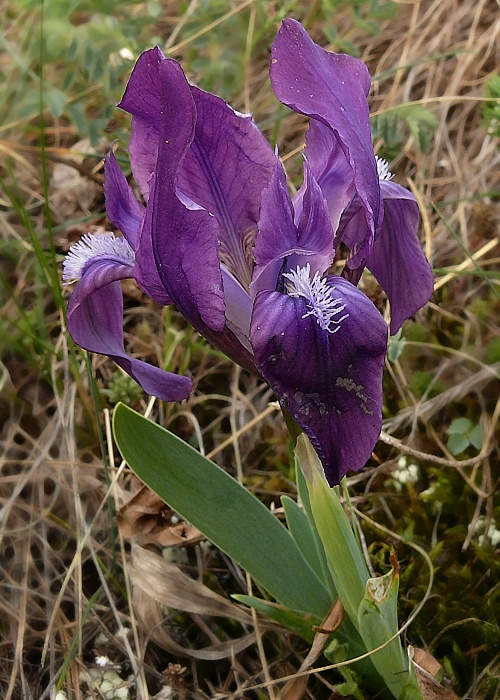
(304, 534)
(378, 622)
(492, 350)
(460, 426)
(457, 443)
(55, 100)
(476, 437)
(396, 346)
(345, 560)
(296, 623)
(223, 510)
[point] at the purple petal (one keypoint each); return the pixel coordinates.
(238, 309)
(315, 234)
(352, 232)
(142, 100)
(279, 237)
(185, 240)
(123, 209)
(331, 88)
(330, 168)
(95, 322)
(225, 170)
(145, 270)
(277, 232)
(330, 382)
(397, 259)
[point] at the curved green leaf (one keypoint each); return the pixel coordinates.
(227, 514)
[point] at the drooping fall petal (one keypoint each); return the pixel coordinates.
(330, 381)
(397, 259)
(95, 322)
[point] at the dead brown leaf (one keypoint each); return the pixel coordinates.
(145, 514)
(426, 668)
(158, 584)
(295, 688)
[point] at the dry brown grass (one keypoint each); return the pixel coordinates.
(56, 537)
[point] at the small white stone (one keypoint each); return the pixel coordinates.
(126, 54)
(102, 660)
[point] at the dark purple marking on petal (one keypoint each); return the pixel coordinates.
(330, 382)
(122, 208)
(95, 322)
(397, 259)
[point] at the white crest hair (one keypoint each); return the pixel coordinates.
(93, 245)
(383, 169)
(318, 295)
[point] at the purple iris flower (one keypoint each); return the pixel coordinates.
(220, 237)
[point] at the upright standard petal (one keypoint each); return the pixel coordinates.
(330, 168)
(314, 227)
(397, 259)
(134, 221)
(327, 373)
(122, 208)
(142, 100)
(277, 235)
(95, 322)
(287, 238)
(185, 239)
(224, 171)
(145, 270)
(331, 88)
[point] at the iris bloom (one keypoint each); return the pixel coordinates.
(219, 237)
